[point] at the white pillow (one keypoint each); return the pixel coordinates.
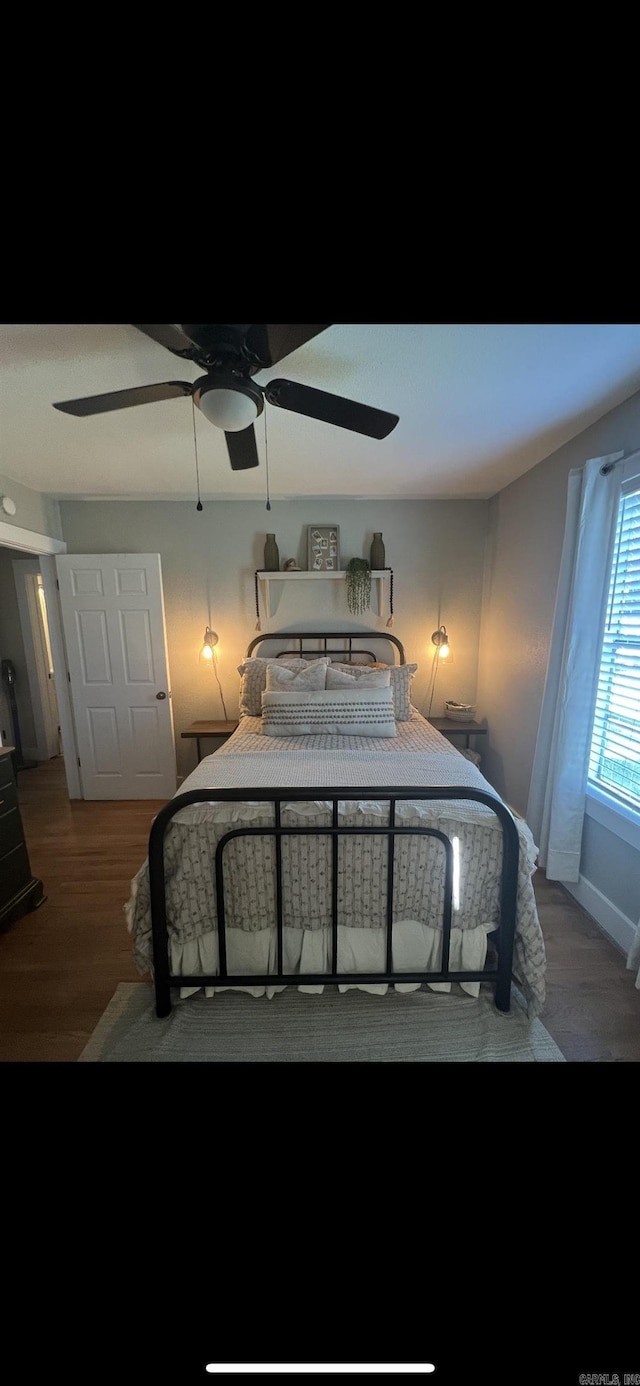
(309, 680)
(254, 679)
(343, 712)
(377, 678)
(401, 677)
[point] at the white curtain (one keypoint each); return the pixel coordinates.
(633, 960)
(555, 811)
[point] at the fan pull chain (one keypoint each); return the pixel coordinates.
(390, 621)
(195, 445)
(255, 579)
(266, 459)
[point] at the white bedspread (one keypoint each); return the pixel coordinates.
(419, 756)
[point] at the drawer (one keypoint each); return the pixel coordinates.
(7, 773)
(15, 874)
(8, 797)
(11, 830)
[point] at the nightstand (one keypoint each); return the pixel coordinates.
(449, 727)
(197, 730)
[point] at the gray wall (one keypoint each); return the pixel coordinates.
(33, 510)
(436, 549)
(524, 546)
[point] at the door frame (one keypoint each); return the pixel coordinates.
(26, 572)
(45, 546)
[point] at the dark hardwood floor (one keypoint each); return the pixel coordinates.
(60, 965)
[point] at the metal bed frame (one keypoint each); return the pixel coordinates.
(347, 635)
(498, 974)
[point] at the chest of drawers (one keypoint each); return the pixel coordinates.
(19, 890)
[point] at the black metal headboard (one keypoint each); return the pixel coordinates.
(323, 637)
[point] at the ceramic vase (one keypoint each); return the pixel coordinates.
(271, 555)
(377, 557)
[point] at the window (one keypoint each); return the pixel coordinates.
(614, 763)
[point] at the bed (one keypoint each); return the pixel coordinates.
(371, 856)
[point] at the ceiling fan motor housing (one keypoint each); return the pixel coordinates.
(219, 344)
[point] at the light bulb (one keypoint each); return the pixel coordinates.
(210, 639)
(441, 640)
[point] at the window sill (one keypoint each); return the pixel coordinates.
(620, 821)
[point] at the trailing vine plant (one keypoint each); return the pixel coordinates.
(358, 579)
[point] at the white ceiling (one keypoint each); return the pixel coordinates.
(479, 405)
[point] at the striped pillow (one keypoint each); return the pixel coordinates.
(253, 680)
(343, 712)
(401, 678)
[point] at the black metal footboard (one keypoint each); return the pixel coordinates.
(499, 975)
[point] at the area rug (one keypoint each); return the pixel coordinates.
(294, 1027)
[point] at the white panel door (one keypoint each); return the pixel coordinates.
(114, 630)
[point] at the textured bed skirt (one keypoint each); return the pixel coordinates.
(415, 946)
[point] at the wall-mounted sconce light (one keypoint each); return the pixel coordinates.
(209, 642)
(209, 658)
(442, 651)
(441, 640)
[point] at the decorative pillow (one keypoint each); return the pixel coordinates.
(309, 680)
(254, 679)
(401, 677)
(345, 712)
(337, 678)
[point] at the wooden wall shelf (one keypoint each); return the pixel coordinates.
(266, 578)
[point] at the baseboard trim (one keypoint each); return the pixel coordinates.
(618, 928)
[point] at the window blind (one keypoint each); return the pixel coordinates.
(614, 763)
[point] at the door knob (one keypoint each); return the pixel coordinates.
(161, 695)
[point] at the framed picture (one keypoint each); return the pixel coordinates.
(323, 548)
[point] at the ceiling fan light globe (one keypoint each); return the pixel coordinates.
(229, 404)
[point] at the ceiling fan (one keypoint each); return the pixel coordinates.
(230, 354)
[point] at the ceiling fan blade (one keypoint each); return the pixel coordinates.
(169, 335)
(123, 399)
(242, 448)
(333, 409)
(270, 342)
